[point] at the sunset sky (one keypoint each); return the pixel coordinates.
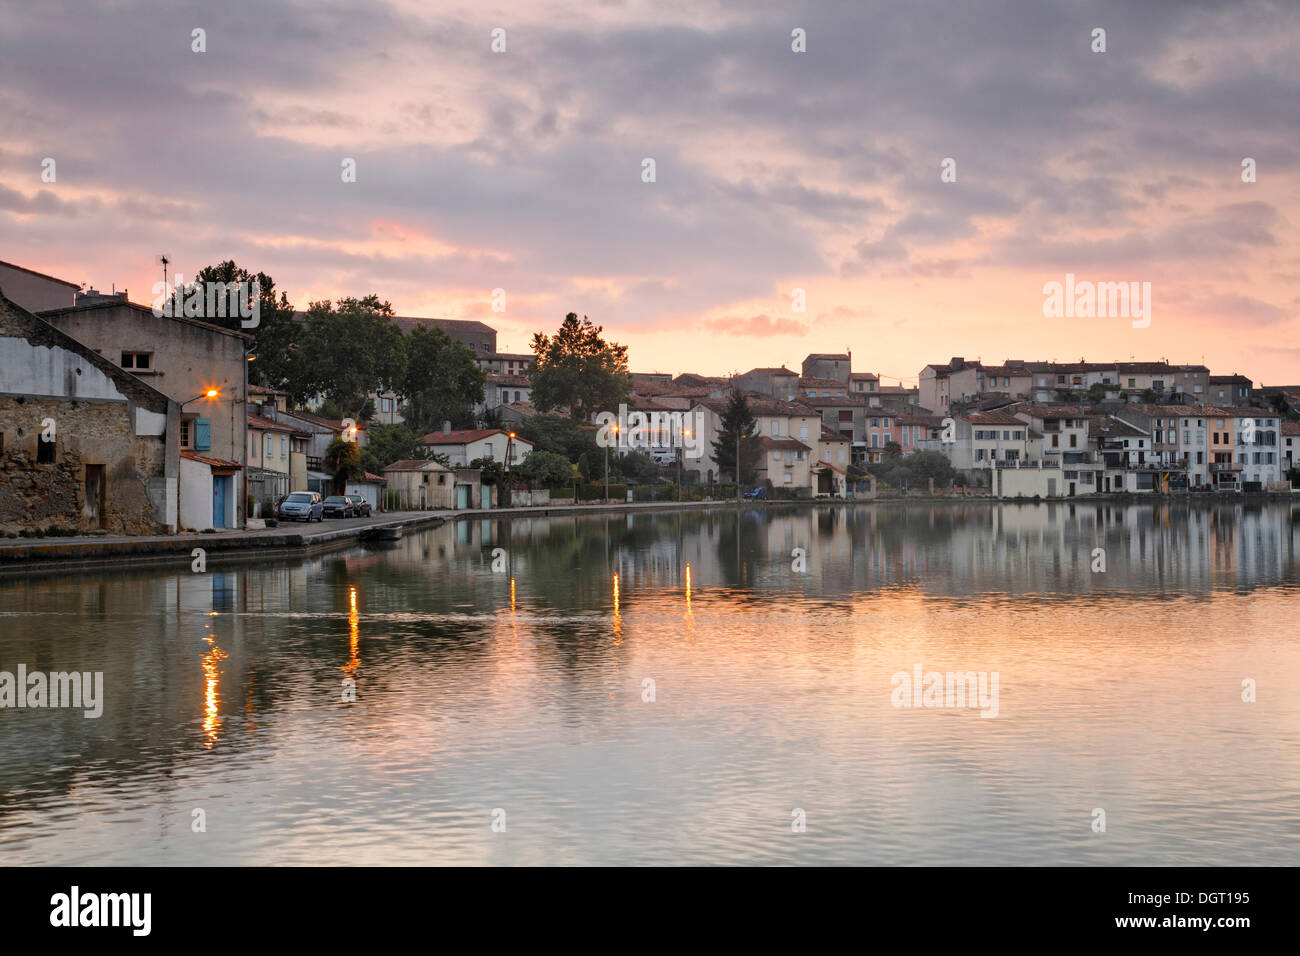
(775, 170)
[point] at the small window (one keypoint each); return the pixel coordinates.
(187, 433)
(44, 452)
(270, 446)
(138, 361)
(284, 446)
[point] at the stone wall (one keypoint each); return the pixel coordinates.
(37, 496)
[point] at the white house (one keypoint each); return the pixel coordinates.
(493, 444)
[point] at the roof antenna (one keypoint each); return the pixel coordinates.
(164, 260)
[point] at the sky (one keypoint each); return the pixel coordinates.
(779, 175)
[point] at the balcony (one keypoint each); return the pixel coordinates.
(1022, 463)
(1218, 467)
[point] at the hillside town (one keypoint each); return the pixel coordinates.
(117, 417)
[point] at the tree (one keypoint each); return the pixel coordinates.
(546, 469)
(737, 420)
(350, 348)
(343, 462)
(389, 443)
(893, 450)
(637, 466)
(494, 472)
(442, 382)
(564, 436)
(915, 470)
(579, 370)
(276, 360)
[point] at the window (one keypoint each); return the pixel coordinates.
(1132, 383)
(139, 361)
(270, 446)
(44, 451)
(187, 433)
(284, 446)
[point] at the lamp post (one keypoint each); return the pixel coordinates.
(607, 465)
(510, 438)
(737, 464)
(681, 453)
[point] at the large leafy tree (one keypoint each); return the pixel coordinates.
(578, 370)
(277, 359)
(350, 348)
(343, 462)
(737, 420)
(386, 444)
(563, 436)
(547, 469)
(442, 382)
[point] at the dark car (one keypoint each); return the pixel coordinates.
(338, 506)
(301, 506)
(760, 493)
(360, 506)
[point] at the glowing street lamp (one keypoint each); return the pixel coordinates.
(209, 394)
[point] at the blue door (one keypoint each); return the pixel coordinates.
(219, 501)
(462, 496)
(486, 496)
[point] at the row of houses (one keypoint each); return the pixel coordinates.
(1026, 449)
(115, 419)
(1007, 428)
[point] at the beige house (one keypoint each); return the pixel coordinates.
(786, 463)
(270, 454)
(957, 381)
(201, 366)
(415, 485)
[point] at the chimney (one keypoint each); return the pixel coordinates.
(956, 363)
(446, 428)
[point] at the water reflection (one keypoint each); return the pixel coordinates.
(1120, 689)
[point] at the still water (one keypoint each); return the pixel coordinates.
(521, 696)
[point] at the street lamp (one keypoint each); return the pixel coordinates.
(681, 453)
(210, 393)
(607, 465)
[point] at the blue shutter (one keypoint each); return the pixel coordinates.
(202, 434)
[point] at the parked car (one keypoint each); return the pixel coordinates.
(759, 492)
(338, 506)
(360, 506)
(301, 506)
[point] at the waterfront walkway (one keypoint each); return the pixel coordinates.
(19, 553)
